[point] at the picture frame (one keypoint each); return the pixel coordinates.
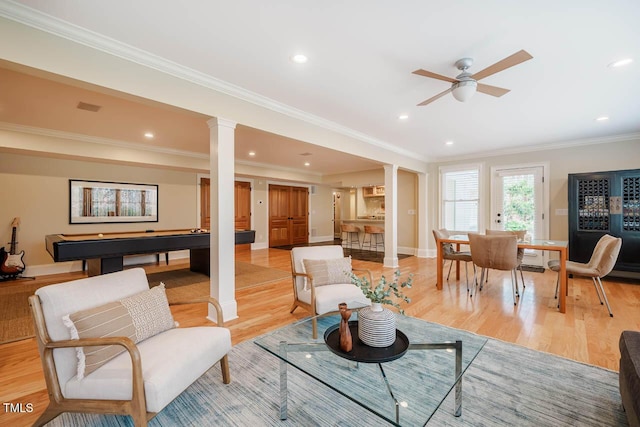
(97, 202)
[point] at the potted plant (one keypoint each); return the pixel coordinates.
(376, 324)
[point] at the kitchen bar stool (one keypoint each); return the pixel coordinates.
(352, 232)
(376, 237)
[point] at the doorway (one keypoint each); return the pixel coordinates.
(242, 202)
(519, 202)
(288, 215)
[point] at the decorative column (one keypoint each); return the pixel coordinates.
(423, 215)
(391, 216)
(222, 244)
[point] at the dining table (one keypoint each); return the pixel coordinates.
(559, 246)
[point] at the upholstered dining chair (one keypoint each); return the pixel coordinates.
(498, 252)
(109, 344)
(321, 277)
(603, 259)
(520, 235)
(448, 253)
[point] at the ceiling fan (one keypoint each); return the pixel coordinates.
(465, 84)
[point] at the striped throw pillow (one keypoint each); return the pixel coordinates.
(328, 271)
(138, 317)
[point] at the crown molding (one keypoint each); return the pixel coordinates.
(12, 127)
(40, 21)
(542, 147)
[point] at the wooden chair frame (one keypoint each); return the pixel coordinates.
(136, 407)
(311, 306)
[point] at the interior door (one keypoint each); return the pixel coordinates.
(242, 201)
(205, 216)
(518, 203)
(288, 215)
(299, 213)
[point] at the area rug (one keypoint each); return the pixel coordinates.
(507, 385)
(182, 284)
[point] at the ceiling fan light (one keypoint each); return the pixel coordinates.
(464, 90)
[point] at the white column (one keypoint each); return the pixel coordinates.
(222, 244)
(423, 215)
(391, 216)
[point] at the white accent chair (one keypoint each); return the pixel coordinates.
(320, 300)
(138, 382)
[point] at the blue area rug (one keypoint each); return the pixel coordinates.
(507, 385)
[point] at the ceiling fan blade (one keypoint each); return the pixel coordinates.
(507, 62)
(430, 100)
(426, 73)
(491, 90)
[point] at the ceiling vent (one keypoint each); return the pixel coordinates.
(306, 154)
(89, 107)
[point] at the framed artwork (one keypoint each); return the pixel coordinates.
(93, 202)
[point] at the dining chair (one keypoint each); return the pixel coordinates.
(603, 259)
(448, 253)
(498, 252)
(520, 235)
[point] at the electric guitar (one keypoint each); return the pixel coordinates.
(12, 263)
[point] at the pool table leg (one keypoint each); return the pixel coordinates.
(98, 266)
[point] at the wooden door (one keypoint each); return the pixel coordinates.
(205, 216)
(288, 215)
(299, 214)
(242, 205)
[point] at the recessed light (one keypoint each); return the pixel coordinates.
(307, 163)
(602, 119)
(299, 58)
(448, 143)
(620, 63)
(148, 135)
(252, 153)
(403, 117)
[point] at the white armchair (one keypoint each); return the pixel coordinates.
(321, 286)
(147, 366)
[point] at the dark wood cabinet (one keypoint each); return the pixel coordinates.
(606, 203)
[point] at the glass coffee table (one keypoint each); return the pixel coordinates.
(404, 386)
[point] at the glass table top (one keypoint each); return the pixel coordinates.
(405, 391)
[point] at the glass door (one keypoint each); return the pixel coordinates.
(518, 204)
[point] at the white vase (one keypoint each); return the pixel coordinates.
(377, 326)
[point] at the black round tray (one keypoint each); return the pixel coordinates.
(362, 352)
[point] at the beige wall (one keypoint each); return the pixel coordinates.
(36, 189)
(624, 154)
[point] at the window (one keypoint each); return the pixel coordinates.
(460, 198)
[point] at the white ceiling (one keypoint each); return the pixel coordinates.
(362, 52)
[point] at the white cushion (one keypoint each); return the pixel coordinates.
(329, 296)
(65, 298)
(171, 361)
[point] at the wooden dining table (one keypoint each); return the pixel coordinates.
(559, 246)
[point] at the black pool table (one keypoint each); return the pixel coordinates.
(104, 252)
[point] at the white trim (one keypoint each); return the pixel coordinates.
(41, 21)
(541, 147)
(12, 127)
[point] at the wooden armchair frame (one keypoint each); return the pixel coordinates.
(311, 306)
(136, 407)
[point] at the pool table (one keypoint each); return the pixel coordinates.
(104, 252)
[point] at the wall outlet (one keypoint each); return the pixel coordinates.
(562, 212)
(411, 212)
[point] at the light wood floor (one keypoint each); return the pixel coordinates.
(585, 333)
